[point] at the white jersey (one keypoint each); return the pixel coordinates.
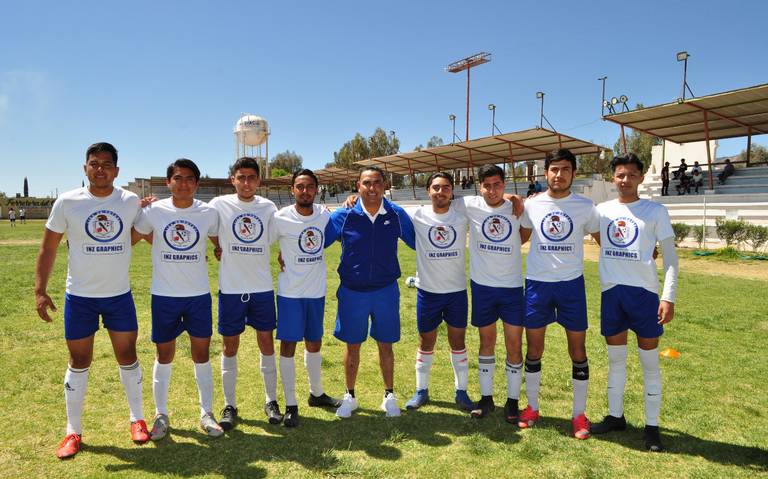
(494, 243)
(98, 230)
(301, 244)
(628, 235)
(440, 243)
(244, 236)
(557, 239)
(179, 244)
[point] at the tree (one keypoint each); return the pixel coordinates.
(435, 141)
(353, 150)
(26, 188)
(287, 161)
(638, 143)
(592, 164)
(278, 172)
(757, 154)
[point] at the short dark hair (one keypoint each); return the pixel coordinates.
(439, 174)
(101, 147)
(486, 171)
(559, 155)
(628, 159)
(304, 172)
(376, 169)
(183, 163)
(245, 162)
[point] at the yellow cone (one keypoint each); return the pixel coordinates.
(670, 353)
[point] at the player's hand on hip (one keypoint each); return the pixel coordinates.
(280, 260)
(44, 303)
(666, 311)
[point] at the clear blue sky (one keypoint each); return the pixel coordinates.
(162, 80)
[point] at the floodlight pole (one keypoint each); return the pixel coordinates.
(541, 113)
(467, 64)
(602, 102)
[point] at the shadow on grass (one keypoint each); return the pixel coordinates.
(314, 445)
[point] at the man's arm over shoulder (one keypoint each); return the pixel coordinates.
(407, 232)
(335, 225)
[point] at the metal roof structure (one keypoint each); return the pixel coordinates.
(731, 114)
(525, 145)
(327, 175)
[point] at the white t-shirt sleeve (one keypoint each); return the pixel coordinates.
(525, 220)
(57, 222)
(142, 223)
(593, 224)
(213, 228)
(664, 225)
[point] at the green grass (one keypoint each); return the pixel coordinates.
(713, 417)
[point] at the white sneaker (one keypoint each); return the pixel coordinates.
(348, 404)
(389, 405)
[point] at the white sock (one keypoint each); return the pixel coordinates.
(514, 379)
(313, 362)
(204, 379)
(161, 379)
(580, 387)
(229, 379)
(288, 375)
(460, 363)
(533, 382)
(617, 378)
(423, 366)
(75, 386)
(131, 376)
(269, 373)
(652, 385)
(486, 366)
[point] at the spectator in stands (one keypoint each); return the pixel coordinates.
(684, 185)
(728, 170)
(665, 180)
(697, 178)
(538, 188)
(695, 168)
(681, 169)
(531, 188)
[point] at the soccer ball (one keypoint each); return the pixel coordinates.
(411, 281)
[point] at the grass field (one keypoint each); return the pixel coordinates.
(714, 415)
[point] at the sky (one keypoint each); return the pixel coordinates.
(163, 80)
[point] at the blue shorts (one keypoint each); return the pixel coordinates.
(172, 316)
(490, 303)
(300, 318)
(255, 309)
(381, 305)
(81, 315)
(434, 308)
(561, 301)
(629, 307)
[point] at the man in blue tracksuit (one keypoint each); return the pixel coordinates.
(369, 271)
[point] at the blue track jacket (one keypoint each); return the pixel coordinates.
(369, 250)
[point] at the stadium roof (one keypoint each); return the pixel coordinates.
(328, 175)
(518, 146)
(730, 114)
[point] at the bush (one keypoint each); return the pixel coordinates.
(699, 233)
(731, 231)
(756, 236)
(681, 231)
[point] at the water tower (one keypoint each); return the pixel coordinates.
(251, 133)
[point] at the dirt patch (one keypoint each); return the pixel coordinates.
(19, 242)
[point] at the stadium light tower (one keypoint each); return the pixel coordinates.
(492, 107)
(452, 117)
(683, 57)
(467, 64)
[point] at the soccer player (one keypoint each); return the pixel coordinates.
(23, 213)
(12, 217)
(441, 238)
(369, 271)
(300, 228)
(556, 222)
(246, 295)
(629, 230)
(181, 295)
(97, 220)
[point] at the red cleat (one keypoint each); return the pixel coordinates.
(581, 427)
(528, 417)
(139, 432)
(69, 446)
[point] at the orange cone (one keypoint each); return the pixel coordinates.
(670, 353)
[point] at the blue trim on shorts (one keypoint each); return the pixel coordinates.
(81, 315)
(490, 303)
(171, 316)
(300, 319)
(564, 302)
(629, 307)
(434, 308)
(257, 310)
(355, 307)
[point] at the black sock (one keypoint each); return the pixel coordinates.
(388, 391)
(351, 392)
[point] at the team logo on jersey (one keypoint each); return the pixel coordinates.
(442, 236)
(248, 228)
(181, 235)
(622, 232)
(104, 226)
(557, 226)
(497, 228)
(311, 240)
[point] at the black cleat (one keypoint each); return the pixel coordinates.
(228, 418)
(511, 411)
(323, 400)
(272, 410)
(485, 406)
(291, 418)
(610, 423)
(653, 439)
